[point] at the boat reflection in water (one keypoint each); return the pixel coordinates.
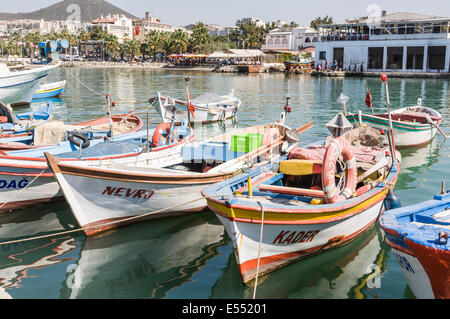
(27, 267)
(144, 260)
(416, 162)
(351, 271)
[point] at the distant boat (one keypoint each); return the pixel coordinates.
(49, 90)
(209, 107)
(413, 126)
(19, 83)
(418, 236)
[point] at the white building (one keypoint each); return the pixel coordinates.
(290, 39)
(141, 28)
(26, 26)
(256, 21)
(118, 25)
(404, 42)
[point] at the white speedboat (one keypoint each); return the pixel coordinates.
(19, 83)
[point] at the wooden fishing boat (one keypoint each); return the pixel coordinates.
(14, 127)
(26, 180)
(113, 194)
(209, 107)
(413, 126)
(49, 90)
(418, 236)
(18, 84)
(66, 138)
(280, 213)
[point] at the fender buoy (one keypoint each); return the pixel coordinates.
(75, 138)
(271, 135)
(337, 147)
(160, 129)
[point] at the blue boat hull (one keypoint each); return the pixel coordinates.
(418, 236)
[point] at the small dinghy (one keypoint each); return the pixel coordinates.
(206, 108)
(316, 198)
(413, 126)
(418, 236)
(49, 90)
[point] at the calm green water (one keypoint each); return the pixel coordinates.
(192, 257)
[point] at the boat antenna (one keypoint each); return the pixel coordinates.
(388, 104)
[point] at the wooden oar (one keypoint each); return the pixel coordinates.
(382, 163)
(435, 125)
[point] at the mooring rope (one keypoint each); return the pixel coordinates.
(81, 82)
(259, 249)
(100, 225)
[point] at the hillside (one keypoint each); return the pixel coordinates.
(64, 10)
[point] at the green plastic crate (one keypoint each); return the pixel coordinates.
(246, 142)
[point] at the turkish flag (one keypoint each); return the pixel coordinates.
(191, 107)
(369, 99)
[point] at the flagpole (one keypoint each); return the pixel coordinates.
(186, 79)
(388, 103)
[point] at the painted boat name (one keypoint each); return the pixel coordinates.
(128, 192)
(295, 237)
(13, 184)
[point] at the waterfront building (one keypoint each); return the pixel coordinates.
(290, 39)
(256, 21)
(141, 28)
(402, 42)
(25, 26)
(118, 25)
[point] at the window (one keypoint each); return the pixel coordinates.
(394, 58)
(436, 57)
(322, 55)
(375, 59)
(414, 59)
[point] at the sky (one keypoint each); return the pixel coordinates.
(184, 12)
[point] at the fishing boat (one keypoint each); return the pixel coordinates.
(413, 126)
(49, 90)
(66, 137)
(26, 180)
(209, 107)
(13, 126)
(117, 193)
(316, 198)
(418, 236)
(18, 84)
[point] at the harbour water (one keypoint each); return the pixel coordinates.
(192, 256)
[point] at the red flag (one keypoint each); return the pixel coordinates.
(191, 107)
(369, 99)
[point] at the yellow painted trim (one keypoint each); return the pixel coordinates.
(231, 212)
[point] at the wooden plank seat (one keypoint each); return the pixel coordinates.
(292, 191)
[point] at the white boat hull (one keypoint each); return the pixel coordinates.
(286, 243)
(203, 113)
(19, 87)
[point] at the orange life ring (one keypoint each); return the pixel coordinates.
(337, 147)
(160, 129)
(270, 136)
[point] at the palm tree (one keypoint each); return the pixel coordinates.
(154, 42)
(179, 41)
(112, 45)
(133, 47)
(200, 37)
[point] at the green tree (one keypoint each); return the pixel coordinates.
(179, 41)
(154, 42)
(319, 20)
(200, 38)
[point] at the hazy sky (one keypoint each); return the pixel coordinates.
(183, 12)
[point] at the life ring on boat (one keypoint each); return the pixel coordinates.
(270, 136)
(337, 147)
(75, 138)
(160, 129)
